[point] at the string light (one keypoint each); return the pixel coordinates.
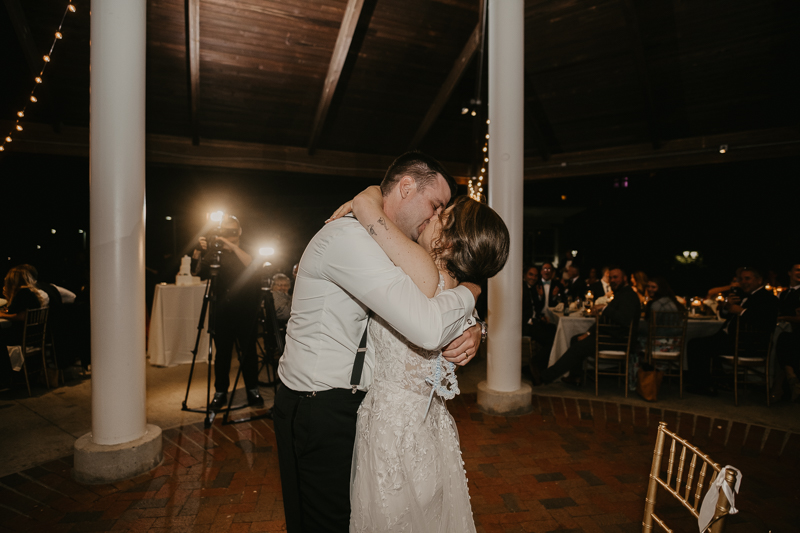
(39, 79)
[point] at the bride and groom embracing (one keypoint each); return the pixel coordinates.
(402, 275)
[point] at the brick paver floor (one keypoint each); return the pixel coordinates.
(571, 465)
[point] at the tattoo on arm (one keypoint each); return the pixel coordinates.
(371, 229)
(383, 223)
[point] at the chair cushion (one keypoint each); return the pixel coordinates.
(619, 353)
(745, 359)
(663, 355)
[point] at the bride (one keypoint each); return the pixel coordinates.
(407, 472)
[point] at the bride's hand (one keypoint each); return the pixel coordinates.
(369, 196)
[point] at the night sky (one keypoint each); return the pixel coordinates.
(733, 215)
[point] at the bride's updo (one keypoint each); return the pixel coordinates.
(473, 243)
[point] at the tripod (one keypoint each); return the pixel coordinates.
(270, 339)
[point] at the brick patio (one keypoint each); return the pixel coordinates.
(571, 465)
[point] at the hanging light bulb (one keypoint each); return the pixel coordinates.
(46, 59)
(484, 148)
(37, 79)
(58, 35)
(71, 8)
(8, 139)
(19, 128)
(487, 121)
(20, 114)
(2, 148)
(487, 135)
(33, 99)
(474, 113)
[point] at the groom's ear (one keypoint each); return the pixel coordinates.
(406, 186)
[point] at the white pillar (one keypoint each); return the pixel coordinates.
(503, 391)
(121, 443)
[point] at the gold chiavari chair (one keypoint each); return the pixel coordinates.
(751, 356)
(666, 338)
(689, 495)
(612, 343)
(33, 341)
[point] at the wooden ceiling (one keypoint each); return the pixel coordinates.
(341, 86)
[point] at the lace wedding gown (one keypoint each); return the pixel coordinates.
(408, 475)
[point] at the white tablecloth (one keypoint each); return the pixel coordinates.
(573, 325)
(173, 325)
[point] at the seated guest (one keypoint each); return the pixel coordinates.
(758, 308)
(787, 347)
(19, 289)
(592, 278)
(575, 287)
(280, 295)
(530, 275)
(602, 287)
(623, 310)
(660, 299)
(725, 290)
(639, 285)
(548, 289)
(534, 321)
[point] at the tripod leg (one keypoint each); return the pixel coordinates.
(200, 326)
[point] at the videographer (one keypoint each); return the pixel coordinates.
(236, 308)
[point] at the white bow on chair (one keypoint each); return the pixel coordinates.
(710, 500)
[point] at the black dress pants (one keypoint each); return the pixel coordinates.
(700, 353)
(542, 332)
(572, 360)
(315, 434)
(228, 330)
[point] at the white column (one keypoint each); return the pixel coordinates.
(117, 180)
(503, 391)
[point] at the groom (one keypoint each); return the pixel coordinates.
(344, 275)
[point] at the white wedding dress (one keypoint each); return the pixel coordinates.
(408, 475)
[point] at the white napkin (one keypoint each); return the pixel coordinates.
(710, 500)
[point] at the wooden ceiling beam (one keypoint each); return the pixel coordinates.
(167, 149)
(696, 151)
(635, 33)
(340, 52)
(23, 31)
(449, 84)
(192, 8)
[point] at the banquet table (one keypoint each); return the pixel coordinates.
(173, 325)
(575, 324)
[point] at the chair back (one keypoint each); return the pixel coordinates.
(613, 337)
(689, 491)
(753, 341)
(35, 328)
(666, 333)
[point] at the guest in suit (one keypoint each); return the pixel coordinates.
(758, 308)
(534, 321)
(623, 310)
(601, 287)
(530, 276)
(787, 347)
(575, 287)
(549, 289)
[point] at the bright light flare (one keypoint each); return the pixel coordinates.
(266, 251)
(216, 216)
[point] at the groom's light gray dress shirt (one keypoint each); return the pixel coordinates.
(342, 275)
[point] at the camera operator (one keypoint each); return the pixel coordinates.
(236, 308)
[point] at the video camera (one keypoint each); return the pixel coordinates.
(219, 231)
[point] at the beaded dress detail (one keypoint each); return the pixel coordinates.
(408, 475)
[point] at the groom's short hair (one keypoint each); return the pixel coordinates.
(423, 168)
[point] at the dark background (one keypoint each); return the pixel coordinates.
(733, 215)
